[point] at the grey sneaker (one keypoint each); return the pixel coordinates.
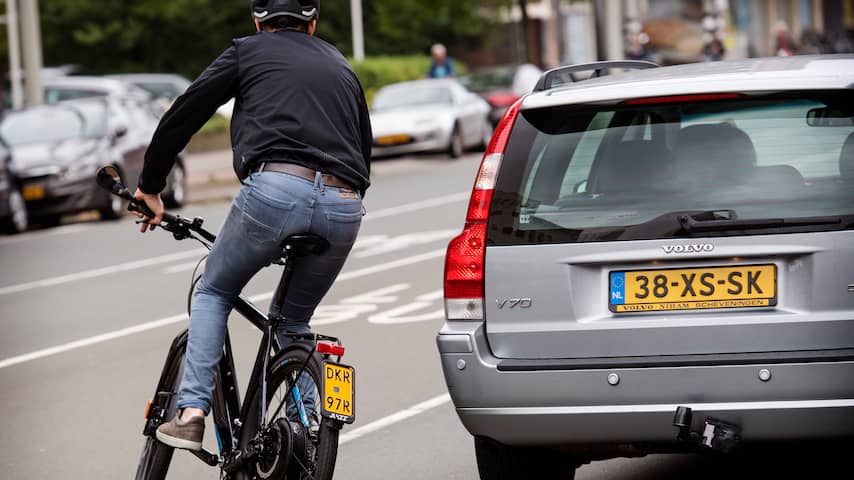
(187, 435)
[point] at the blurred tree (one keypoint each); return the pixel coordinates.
(144, 35)
(183, 36)
(523, 7)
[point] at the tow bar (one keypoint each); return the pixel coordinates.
(716, 435)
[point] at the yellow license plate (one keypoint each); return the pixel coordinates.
(393, 139)
(33, 192)
(339, 392)
(693, 288)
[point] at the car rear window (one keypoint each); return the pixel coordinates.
(741, 166)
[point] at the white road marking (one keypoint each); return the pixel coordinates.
(183, 317)
(396, 417)
(385, 244)
(352, 307)
(85, 342)
(98, 272)
(63, 230)
(414, 206)
(371, 270)
(401, 314)
(406, 208)
(181, 267)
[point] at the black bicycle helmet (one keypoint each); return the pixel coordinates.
(306, 10)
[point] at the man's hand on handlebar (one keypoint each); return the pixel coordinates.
(155, 203)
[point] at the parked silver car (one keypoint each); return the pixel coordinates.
(158, 85)
(658, 261)
(428, 116)
(130, 107)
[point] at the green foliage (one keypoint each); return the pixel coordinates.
(218, 124)
(395, 27)
(109, 36)
(376, 72)
(184, 36)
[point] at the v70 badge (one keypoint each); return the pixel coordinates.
(513, 303)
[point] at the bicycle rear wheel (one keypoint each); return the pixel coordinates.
(299, 443)
(156, 457)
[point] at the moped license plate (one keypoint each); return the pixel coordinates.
(339, 392)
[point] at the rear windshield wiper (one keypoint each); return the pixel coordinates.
(713, 221)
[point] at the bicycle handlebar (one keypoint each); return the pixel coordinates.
(109, 178)
(179, 226)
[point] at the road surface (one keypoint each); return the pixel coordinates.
(88, 310)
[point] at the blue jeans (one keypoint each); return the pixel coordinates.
(269, 207)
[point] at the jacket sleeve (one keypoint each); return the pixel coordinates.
(215, 86)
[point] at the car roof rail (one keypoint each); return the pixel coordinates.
(598, 68)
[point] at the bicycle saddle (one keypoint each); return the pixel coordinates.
(301, 244)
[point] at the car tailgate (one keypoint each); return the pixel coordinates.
(552, 301)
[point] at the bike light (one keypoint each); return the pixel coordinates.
(147, 409)
(466, 254)
(330, 349)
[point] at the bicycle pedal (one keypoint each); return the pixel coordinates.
(209, 458)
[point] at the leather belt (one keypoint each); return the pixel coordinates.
(303, 172)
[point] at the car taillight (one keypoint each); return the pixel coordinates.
(464, 261)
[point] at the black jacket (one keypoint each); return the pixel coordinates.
(296, 100)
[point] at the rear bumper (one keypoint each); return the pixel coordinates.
(435, 141)
(801, 401)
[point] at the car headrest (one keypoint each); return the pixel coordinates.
(717, 152)
(779, 177)
(846, 159)
(634, 165)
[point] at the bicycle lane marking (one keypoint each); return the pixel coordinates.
(98, 272)
(85, 342)
(366, 246)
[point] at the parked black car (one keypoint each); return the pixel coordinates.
(57, 149)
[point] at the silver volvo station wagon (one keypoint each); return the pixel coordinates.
(658, 260)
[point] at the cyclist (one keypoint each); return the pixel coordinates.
(301, 137)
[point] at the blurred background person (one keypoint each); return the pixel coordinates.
(784, 44)
(442, 65)
(713, 50)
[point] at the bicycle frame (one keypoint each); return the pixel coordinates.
(226, 404)
(226, 407)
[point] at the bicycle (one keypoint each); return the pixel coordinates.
(299, 440)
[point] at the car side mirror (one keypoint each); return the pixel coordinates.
(120, 132)
(110, 179)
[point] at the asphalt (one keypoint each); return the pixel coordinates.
(88, 311)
